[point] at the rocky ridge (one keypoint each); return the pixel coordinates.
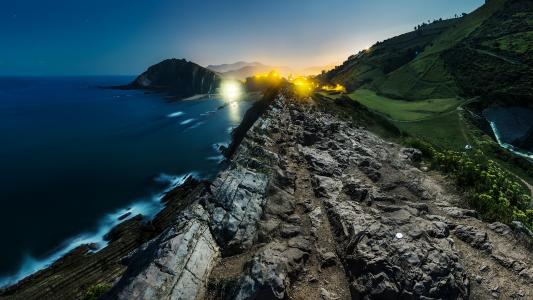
(313, 207)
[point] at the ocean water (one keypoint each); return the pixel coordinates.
(75, 157)
(509, 124)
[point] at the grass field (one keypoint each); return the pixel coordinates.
(445, 131)
(398, 110)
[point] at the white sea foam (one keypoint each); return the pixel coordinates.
(207, 113)
(508, 146)
(175, 114)
(197, 125)
(187, 121)
(148, 207)
(218, 158)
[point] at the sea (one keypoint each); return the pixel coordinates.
(509, 124)
(75, 157)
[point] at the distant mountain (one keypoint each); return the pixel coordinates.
(250, 71)
(234, 66)
(179, 78)
(487, 53)
(316, 70)
(242, 70)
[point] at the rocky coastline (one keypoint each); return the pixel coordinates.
(309, 206)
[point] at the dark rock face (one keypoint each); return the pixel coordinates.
(179, 78)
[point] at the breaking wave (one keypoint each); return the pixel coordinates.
(175, 114)
(148, 207)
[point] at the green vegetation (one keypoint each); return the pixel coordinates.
(492, 191)
(404, 110)
(372, 65)
(96, 291)
(445, 131)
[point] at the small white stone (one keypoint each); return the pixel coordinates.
(399, 235)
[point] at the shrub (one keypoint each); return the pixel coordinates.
(96, 291)
(495, 193)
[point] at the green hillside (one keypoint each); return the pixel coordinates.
(496, 60)
(369, 66)
(487, 53)
(431, 81)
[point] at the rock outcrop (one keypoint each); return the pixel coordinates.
(175, 265)
(179, 78)
(348, 215)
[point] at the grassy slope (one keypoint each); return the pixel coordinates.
(496, 60)
(427, 76)
(372, 65)
(398, 110)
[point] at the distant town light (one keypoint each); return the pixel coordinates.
(231, 90)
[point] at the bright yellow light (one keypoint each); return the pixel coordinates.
(334, 88)
(231, 90)
(303, 86)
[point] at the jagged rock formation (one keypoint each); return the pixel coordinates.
(356, 219)
(174, 265)
(179, 78)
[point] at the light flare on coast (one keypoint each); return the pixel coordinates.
(303, 86)
(232, 91)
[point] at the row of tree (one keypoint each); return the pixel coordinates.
(424, 24)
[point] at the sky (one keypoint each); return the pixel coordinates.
(111, 37)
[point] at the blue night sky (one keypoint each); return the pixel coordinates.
(74, 37)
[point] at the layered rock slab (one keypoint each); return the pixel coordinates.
(175, 265)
